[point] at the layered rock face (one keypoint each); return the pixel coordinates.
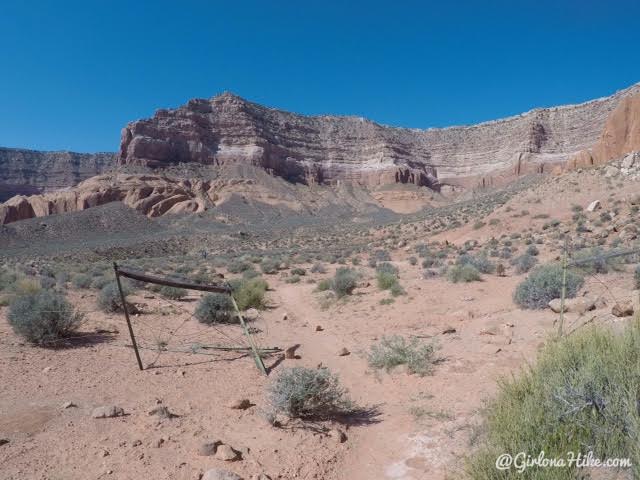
(26, 172)
(329, 149)
(153, 195)
(621, 135)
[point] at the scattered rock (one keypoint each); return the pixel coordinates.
(611, 171)
(158, 443)
(252, 314)
(448, 330)
(66, 405)
(208, 448)
(220, 474)
(319, 328)
(3, 441)
(343, 352)
(338, 435)
(593, 206)
(285, 316)
(240, 404)
(628, 161)
(262, 476)
(290, 352)
(622, 309)
(107, 411)
(225, 452)
(575, 305)
(162, 412)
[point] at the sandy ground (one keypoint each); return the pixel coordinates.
(423, 425)
(421, 432)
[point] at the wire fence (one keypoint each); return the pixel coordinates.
(599, 290)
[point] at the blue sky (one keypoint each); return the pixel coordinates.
(73, 73)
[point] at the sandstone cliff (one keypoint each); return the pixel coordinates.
(621, 135)
(329, 149)
(25, 172)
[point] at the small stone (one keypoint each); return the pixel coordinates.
(240, 404)
(226, 453)
(46, 369)
(593, 206)
(319, 328)
(622, 309)
(220, 474)
(252, 314)
(136, 443)
(158, 443)
(290, 352)
(285, 316)
(448, 330)
(343, 352)
(208, 448)
(338, 435)
(66, 405)
(107, 411)
(3, 441)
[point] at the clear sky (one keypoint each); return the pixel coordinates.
(73, 73)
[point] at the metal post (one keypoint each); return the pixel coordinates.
(126, 315)
(256, 354)
(564, 287)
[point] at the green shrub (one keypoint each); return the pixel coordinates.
(308, 393)
(250, 293)
(173, 293)
(318, 268)
(293, 279)
(396, 350)
(344, 281)
(386, 267)
(43, 317)
(7, 278)
(298, 271)
(594, 260)
(524, 263)
(397, 290)
(544, 284)
(532, 250)
(215, 308)
(323, 285)
(269, 265)
(480, 262)
(386, 280)
(463, 273)
(478, 225)
(109, 297)
(580, 396)
(413, 261)
(238, 266)
(99, 282)
(81, 280)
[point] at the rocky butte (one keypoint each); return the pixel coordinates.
(229, 134)
(330, 149)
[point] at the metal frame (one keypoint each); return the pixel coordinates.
(172, 282)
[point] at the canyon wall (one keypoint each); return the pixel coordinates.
(330, 149)
(28, 172)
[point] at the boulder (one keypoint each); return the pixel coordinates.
(579, 305)
(622, 309)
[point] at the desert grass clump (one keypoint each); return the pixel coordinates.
(109, 296)
(580, 396)
(43, 317)
(636, 277)
(250, 293)
(173, 293)
(344, 281)
(397, 350)
(318, 268)
(238, 266)
(463, 274)
(480, 262)
(81, 280)
(215, 308)
(524, 263)
(544, 284)
(309, 393)
(269, 265)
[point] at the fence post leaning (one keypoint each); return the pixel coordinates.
(126, 316)
(564, 287)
